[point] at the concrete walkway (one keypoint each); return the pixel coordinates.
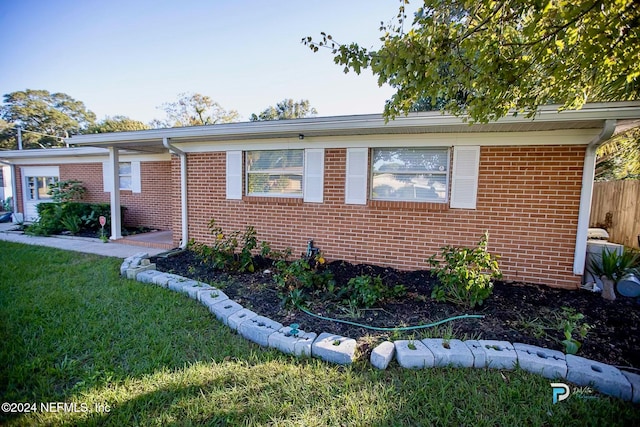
(78, 244)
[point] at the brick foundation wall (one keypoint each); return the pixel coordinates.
(528, 199)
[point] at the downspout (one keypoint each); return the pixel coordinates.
(14, 188)
(588, 174)
(183, 189)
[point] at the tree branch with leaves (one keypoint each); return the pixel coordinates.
(487, 58)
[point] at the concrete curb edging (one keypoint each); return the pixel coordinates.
(412, 354)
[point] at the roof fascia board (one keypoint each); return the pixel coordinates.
(248, 130)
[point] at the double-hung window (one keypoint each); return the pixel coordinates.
(410, 174)
(128, 175)
(275, 173)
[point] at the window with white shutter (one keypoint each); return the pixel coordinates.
(275, 173)
(413, 174)
(129, 173)
(464, 183)
(314, 175)
(234, 175)
(356, 179)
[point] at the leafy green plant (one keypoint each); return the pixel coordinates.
(572, 322)
(71, 223)
(7, 204)
(366, 291)
(301, 278)
(613, 267)
(51, 216)
(465, 275)
(567, 322)
(230, 252)
(67, 191)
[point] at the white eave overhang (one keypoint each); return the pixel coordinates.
(40, 153)
(591, 116)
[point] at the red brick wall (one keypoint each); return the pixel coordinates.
(528, 200)
(151, 207)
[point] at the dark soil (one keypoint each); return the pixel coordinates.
(515, 312)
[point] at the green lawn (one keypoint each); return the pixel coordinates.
(73, 331)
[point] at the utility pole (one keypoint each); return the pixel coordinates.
(19, 137)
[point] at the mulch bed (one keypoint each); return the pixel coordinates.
(508, 314)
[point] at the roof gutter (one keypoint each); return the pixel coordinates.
(588, 174)
(14, 190)
(183, 189)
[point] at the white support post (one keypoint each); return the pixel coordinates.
(114, 164)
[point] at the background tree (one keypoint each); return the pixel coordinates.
(194, 109)
(46, 118)
(117, 124)
(286, 109)
(619, 158)
(510, 55)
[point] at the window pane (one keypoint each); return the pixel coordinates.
(418, 187)
(44, 184)
(125, 182)
(287, 161)
(124, 168)
(31, 191)
(262, 183)
(275, 172)
(412, 160)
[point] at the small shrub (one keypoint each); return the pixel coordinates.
(52, 215)
(302, 278)
(572, 322)
(465, 274)
(366, 291)
(67, 191)
(232, 252)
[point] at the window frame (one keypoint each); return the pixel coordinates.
(446, 173)
(282, 172)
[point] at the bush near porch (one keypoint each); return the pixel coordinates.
(74, 217)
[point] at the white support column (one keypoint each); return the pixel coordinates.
(588, 173)
(114, 165)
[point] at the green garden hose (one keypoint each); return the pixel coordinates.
(404, 328)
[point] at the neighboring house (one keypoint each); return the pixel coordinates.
(364, 190)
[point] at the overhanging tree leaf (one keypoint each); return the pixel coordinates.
(503, 56)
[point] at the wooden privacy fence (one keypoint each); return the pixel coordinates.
(614, 207)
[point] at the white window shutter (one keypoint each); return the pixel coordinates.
(234, 175)
(314, 175)
(464, 183)
(357, 172)
(107, 177)
(136, 181)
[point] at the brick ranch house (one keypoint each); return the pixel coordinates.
(364, 190)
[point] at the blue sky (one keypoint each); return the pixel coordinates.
(129, 57)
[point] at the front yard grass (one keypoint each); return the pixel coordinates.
(73, 331)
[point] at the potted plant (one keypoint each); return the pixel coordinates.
(613, 268)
